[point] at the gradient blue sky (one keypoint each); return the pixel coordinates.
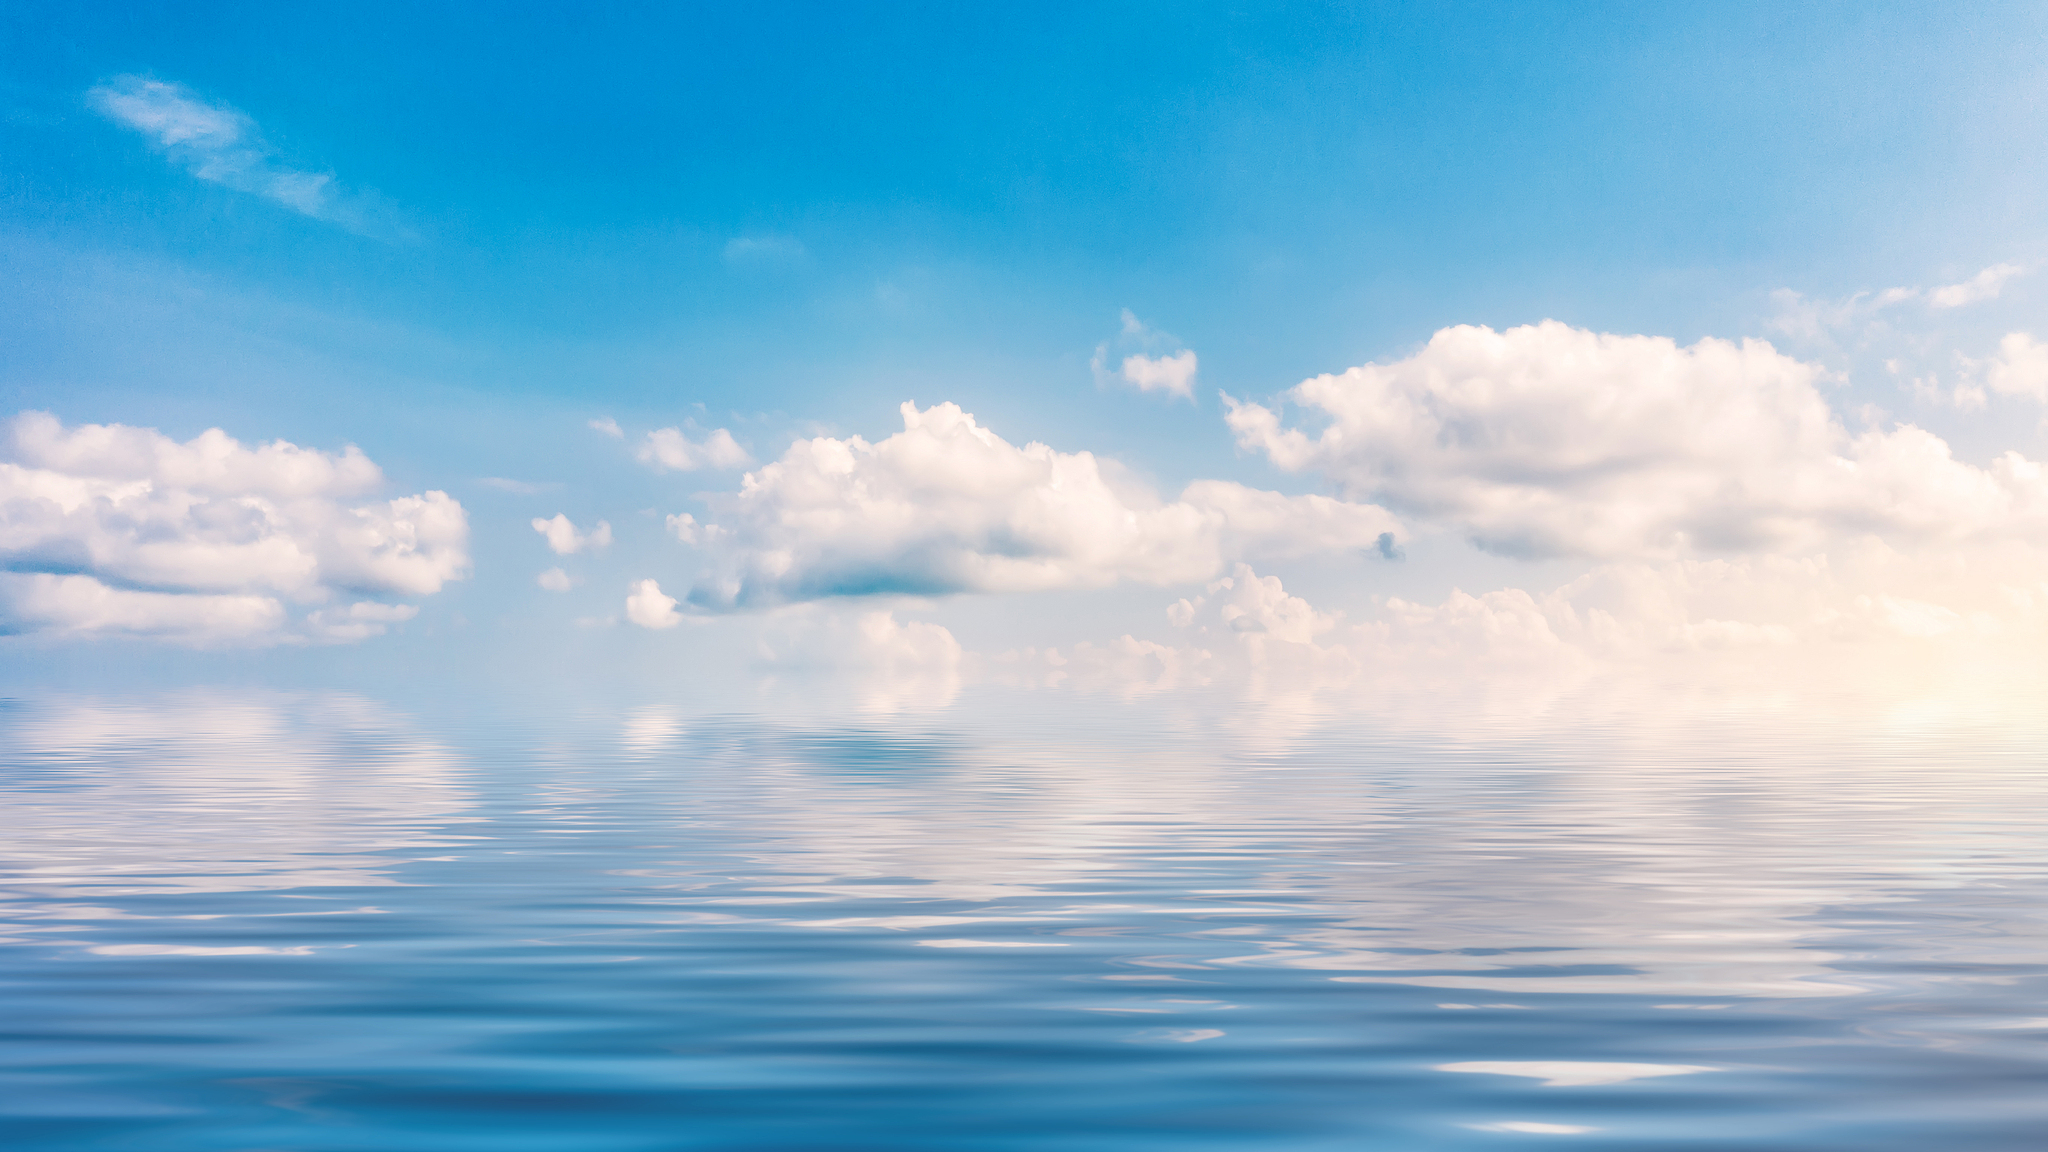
(787, 219)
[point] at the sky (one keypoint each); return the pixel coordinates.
(1345, 355)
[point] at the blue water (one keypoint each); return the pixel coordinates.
(313, 922)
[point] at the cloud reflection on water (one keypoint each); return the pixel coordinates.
(210, 792)
(1614, 869)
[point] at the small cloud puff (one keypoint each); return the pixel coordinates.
(1170, 372)
(554, 580)
(607, 426)
(113, 530)
(647, 607)
(565, 540)
(948, 506)
(1173, 374)
(669, 450)
(685, 528)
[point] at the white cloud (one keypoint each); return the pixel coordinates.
(358, 621)
(221, 144)
(647, 607)
(892, 665)
(2020, 368)
(554, 580)
(669, 450)
(607, 426)
(1958, 631)
(1151, 360)
(81, 605)
(684, 527)
(948, 506)
(565, 540)
(1985, 285)
(1809, 319)
(109, 529)
(1551, 440)
(1173, 374)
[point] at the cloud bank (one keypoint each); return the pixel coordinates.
(948, 506)
(1743, 546)
(113, 530)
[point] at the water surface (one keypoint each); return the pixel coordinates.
(310, 922)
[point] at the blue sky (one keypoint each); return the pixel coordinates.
(786, 220)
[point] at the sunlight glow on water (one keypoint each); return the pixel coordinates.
(306, 922)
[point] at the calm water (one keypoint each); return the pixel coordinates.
(310, 923)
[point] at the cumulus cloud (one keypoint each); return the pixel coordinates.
(605, 425)
(948, 506)
(647, 607)
(565, 540)
(2020, 368)
(669, 450)
(221, 144)
(1171, 372)
(108, 529)
(1550, 440)
(554, 580)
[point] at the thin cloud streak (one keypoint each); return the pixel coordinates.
(221, 144)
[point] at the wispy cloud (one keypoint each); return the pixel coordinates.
(1806, 318)
(520, 487)
(1985, 285)
(222, 144)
